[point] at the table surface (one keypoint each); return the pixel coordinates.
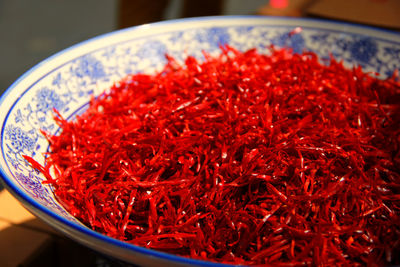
(26, 241)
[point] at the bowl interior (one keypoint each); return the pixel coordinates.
(67, 80)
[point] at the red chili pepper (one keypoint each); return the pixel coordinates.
(243, 158)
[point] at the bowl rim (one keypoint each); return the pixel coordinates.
(35, 207)
(323, 21)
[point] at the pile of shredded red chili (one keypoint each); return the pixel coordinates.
(241, 158)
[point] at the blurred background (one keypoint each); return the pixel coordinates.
(30, 31)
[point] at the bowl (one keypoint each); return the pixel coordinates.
(67, 80)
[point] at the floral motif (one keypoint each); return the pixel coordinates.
(363, 49)
(218, 36)
(19, 139)
(244, 29)
(287, 39)
(18, 116)
(176, 37)
(57, 80)
(47, 99)
(89, 66)
(151, 49)
(30, 182)
(393, 52)
(215, 36)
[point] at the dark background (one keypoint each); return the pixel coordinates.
(32, 30)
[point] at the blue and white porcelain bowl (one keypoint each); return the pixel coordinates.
(67, 80)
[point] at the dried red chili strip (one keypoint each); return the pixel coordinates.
(242, 158)
(43, 170)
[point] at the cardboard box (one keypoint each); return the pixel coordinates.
(378, 13)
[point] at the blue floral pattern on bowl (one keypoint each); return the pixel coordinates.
(68, 80)
(90, 67)
(363, 49)
(19, 139)
(47, 99)
(287, 39)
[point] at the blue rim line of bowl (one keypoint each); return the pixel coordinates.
(175, 21)
(26, 199)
